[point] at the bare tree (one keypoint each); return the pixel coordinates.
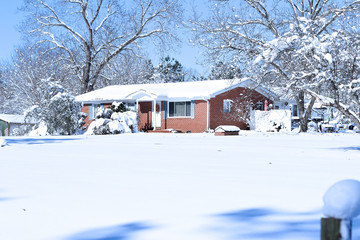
(28, 76)
(91, 33)
(242, 106)
(128, 69)
(281, 42)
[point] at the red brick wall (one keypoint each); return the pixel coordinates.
(145, 116)
(217, 115)
(107, 105)
(185, 124)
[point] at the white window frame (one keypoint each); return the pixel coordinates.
(227, 105)
(168, 109)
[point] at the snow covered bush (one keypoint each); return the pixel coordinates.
(113, 120)
(118, 107)
(22, 130)
(58, 114)
(271, 121)
(312, 127)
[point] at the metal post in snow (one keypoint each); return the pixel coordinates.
(335, 229)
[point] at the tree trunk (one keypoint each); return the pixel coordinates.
(304, 114)
(86, 71)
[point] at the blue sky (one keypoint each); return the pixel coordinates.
(10, 18)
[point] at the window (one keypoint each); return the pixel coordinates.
(131, 106)
(97, 108)
(227, 105)
(180, 109)
(294, 110)
(260, 106)
(93, 109)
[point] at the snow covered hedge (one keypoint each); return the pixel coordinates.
(114, 120)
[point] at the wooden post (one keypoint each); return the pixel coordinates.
(334, 228)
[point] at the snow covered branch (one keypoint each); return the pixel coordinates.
(93, 32)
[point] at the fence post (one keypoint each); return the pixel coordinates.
(341, 205)
(335, 229)
(330, 229)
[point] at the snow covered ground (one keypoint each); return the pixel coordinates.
(171, 186)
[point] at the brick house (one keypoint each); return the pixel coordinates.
(182, 106)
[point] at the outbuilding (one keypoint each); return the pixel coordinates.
(9, 123)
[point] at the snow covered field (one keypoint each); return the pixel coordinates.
(171, 186)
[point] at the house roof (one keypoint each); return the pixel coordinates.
(12, 118)
(164, 91)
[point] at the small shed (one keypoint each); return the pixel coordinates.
(10, 122)
(226, 130)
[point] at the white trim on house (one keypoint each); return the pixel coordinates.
(141, 92)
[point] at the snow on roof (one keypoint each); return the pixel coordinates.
(178, 90)
(11, 118)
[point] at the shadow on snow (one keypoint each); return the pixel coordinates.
(31, 141)
(262, 223)
(120, 232)
(2, 199)
(351, 148)
(357, 148)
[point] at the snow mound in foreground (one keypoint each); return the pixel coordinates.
(342, 200)
(3, 142)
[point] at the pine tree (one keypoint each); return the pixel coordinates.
(169, 70)
(222, 70)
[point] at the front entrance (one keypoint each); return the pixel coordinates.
(158, 115)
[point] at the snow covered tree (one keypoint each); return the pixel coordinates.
(27, 75)
(127, 69)
(169, 70)
(3, 91)
(341, 81)
(58, 113)
(283, 42)
(91, 33)
(223, 70)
